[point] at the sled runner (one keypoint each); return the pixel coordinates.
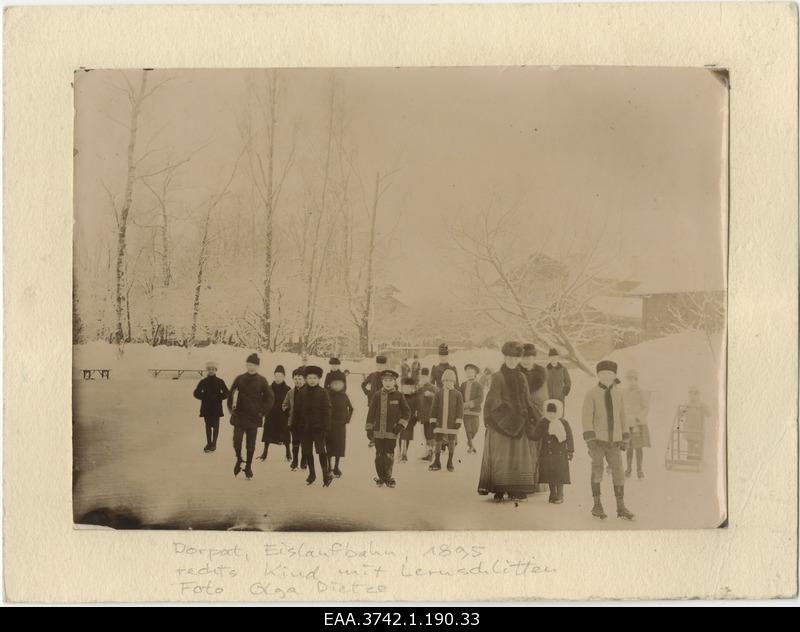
(104, 373)
(685, 448)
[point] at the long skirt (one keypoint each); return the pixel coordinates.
(336, 439)
(276, 428)
(408, 432)
(507, 466)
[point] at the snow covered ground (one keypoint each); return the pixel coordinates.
(139, 460)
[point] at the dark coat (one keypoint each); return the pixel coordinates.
(375, 383)
(249, 400)
(559, 382)
(537, 386)
(211, 391)
(311, 410)
(341, 412)
(509, 406)
(276, 425)
(472, 406)
(447, 422)
(335, 373)
(382, 422)
(438, 371)
(554, 455)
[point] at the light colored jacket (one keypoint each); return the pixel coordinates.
(595, 419)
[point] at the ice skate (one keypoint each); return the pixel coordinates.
(391, 483)
(207, 449)
(597, 510)
(622, 510)
(311, 478)
(624, 514)
(436, 465)
(640, 475)
(327, 480)
(378, 481)
(628, 473)
(248, 472)
(450, 467)
(498, 497)
(263, 457)
(337, 472)
(212, 447)
(238, 467)
(303, 464)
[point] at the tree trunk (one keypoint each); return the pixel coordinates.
(166, 272)
(126, 207)
(363, 338)
(200, 268)
(267, 316)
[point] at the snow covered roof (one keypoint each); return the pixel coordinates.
(624, 306)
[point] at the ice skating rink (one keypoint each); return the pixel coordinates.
(139, 463)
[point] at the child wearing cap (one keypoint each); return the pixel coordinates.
(444, 365)
(447, 417)
(423, 404)
(299, 380)
(373, 382)
(692, 418)
(408, 388)
(341, 412)
(637, 405)
(557, 449)
(312, 418)
(388, 415)
(605, 430)
(276, 425)
(211, 391)
(472, 392)
(250, 400)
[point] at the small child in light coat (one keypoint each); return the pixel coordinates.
(447, 416)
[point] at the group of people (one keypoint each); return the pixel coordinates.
(528, 440)
(305, 418)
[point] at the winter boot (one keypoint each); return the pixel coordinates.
(312, 474)
(238, 467)
(295, 453)
(391, 483)
(248, 469)
(336, 471)
(327, 477)
(378, 481)
(553, 493)
(559, 493)
(303, 462)
(622, 510)
(263, 456)
(207, 449)
(597, 509)
(450, 467)
(437, 463)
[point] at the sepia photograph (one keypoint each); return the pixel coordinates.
(400, 298)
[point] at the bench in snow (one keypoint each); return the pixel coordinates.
(178, 372)
(104, 373)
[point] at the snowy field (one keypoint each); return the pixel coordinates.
(139, 460)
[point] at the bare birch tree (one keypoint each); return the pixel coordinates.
(205, 241)
(557, 314)
(267, 180)
(358, 267)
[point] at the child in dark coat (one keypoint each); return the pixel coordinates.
(341, 412)
(408, 388)
(299, 380)
(211, 391)
(312, 416)
(557, 448)
(387, 417)
(250, 399)
(276, 425)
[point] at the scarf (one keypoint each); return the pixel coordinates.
(557, 429)
(609, 408)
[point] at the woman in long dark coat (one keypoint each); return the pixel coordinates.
(276, 424)
(508, 465)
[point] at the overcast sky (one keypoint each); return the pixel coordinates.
(637, 153)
